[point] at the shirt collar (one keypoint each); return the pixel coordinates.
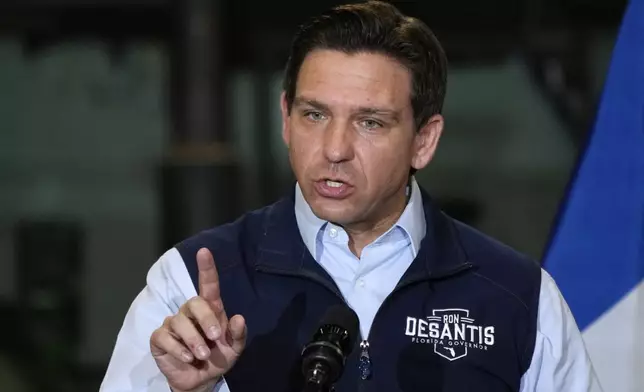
(412, 220)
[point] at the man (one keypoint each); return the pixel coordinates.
(441, 306)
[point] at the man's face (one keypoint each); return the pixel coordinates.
(351, 135)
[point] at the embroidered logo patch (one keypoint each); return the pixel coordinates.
(451, 331)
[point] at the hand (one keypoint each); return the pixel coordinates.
(198, 345)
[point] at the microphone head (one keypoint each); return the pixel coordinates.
(343, 320)
(324, 357)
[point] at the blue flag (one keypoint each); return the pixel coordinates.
(597, 250)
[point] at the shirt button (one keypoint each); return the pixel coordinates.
(361, 282)
(333, 232)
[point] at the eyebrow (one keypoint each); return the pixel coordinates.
(379, 111)
(302, 101)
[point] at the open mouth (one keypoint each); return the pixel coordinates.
(333, 188)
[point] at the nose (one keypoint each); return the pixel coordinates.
(338, 142)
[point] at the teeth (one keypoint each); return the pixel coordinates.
(333, 184)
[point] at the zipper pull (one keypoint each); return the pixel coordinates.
(365, 362)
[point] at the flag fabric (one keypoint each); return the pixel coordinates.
(596, 254)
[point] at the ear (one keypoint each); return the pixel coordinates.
(286, 120)
(426, 141)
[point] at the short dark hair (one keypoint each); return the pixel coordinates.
(377, 27)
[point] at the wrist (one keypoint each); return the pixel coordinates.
(208, 387)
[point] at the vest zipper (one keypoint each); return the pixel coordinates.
(365, 361)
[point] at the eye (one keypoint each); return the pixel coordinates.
(370, 124)
(314, 116)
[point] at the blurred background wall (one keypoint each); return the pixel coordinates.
(126, 126)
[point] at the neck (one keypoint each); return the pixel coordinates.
(364, 233)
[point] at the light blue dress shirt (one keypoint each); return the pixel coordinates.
(364, 282)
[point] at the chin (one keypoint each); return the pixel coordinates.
(334, 214)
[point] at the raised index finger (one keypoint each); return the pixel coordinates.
(208, 276)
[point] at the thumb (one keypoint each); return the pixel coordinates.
(237, 333)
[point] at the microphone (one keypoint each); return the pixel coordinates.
(324, 357)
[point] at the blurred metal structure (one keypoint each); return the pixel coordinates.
(197, 74)
(199, 176)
